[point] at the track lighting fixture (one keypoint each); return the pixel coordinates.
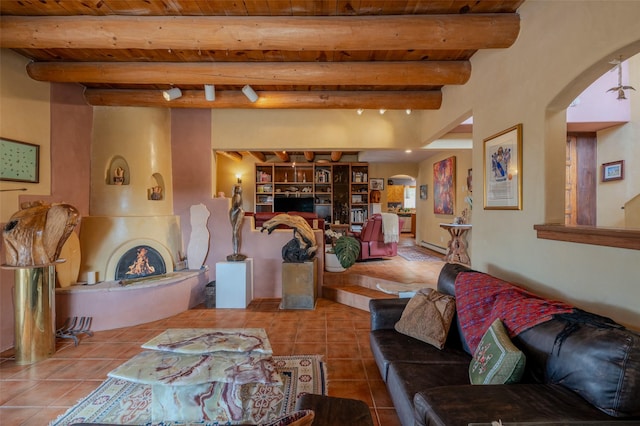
(171, 94)
(250, 93)
(382, 111)
(408, 111)
(360, 111)
(209, 92)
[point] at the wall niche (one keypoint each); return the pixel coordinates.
(155, 192)
(118, 171)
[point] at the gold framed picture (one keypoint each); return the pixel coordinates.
(502, 156)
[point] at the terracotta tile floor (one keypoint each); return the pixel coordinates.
(36, 394)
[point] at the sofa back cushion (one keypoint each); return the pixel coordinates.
(600, 360)
(447, 285)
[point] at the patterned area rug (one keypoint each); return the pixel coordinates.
(417, 254)
(127, 403)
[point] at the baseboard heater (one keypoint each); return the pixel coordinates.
(433, 247)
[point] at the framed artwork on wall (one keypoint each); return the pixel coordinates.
(613, 171)
(424, 191)
(376, 184)
(444, 186)
(19, 161)
(503, 170)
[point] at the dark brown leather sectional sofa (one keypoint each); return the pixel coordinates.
(580, 367)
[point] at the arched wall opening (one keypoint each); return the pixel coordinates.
(555, 156)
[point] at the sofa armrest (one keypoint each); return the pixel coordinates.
(385, 313)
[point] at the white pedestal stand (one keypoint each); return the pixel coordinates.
(234, 284)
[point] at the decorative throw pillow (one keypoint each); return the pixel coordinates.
(427, 317)
(496, 360)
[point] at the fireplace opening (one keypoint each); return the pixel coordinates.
(140, 261)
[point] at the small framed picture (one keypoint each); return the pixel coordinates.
(613, 171)
(423, 192)
(19, 161)
(376, 184)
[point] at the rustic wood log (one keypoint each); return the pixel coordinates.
(258, 156)
(392, 73)
(416, 100)
(35, 234)
(282, 155)
(306, 246)
(235, 156)
(296, 33)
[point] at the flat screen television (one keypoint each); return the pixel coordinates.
(293, 204)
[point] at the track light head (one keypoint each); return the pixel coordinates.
(171, 94)
(209, 92)
(250, 93)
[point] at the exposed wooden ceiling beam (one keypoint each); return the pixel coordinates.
(258, 156)
(297, 33)
(432, 73)
(235, 156)
(270, 99)
(309, 155)
(282, 155)
(336, 155)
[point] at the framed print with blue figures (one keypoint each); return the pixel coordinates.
(19, 161)
(503, 170)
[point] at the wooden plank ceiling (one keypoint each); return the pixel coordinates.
(369, 54)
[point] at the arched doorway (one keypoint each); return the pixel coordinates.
(401, 199)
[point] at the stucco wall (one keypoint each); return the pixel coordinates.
(563, 46)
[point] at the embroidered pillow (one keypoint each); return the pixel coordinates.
(496, 360)
(427, 317)
(297, 418)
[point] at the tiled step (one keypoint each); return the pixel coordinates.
(355, 296)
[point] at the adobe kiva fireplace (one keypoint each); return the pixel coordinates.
(131, 201)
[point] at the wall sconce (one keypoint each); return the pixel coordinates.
(171, 94)
(238, 178)
(209, 92)
(250, 93)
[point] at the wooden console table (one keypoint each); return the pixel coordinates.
(457, 244)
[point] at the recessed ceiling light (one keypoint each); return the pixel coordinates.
(408, 151)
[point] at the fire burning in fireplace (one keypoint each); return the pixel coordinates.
(138, 262)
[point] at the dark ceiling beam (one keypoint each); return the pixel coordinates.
(282, 155)
(235, 156)
(258, 156)
(293, 33)
(377, 73)
(416, 100)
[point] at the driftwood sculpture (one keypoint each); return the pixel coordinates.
(303, 246)
(35, 234)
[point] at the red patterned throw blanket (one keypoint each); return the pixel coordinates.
(481, 298)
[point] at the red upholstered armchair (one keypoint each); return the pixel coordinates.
(371, 239)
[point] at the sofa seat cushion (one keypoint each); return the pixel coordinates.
(389, 346)
(405, 379)
(461, 405)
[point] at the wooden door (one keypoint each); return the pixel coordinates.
(581, 180)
